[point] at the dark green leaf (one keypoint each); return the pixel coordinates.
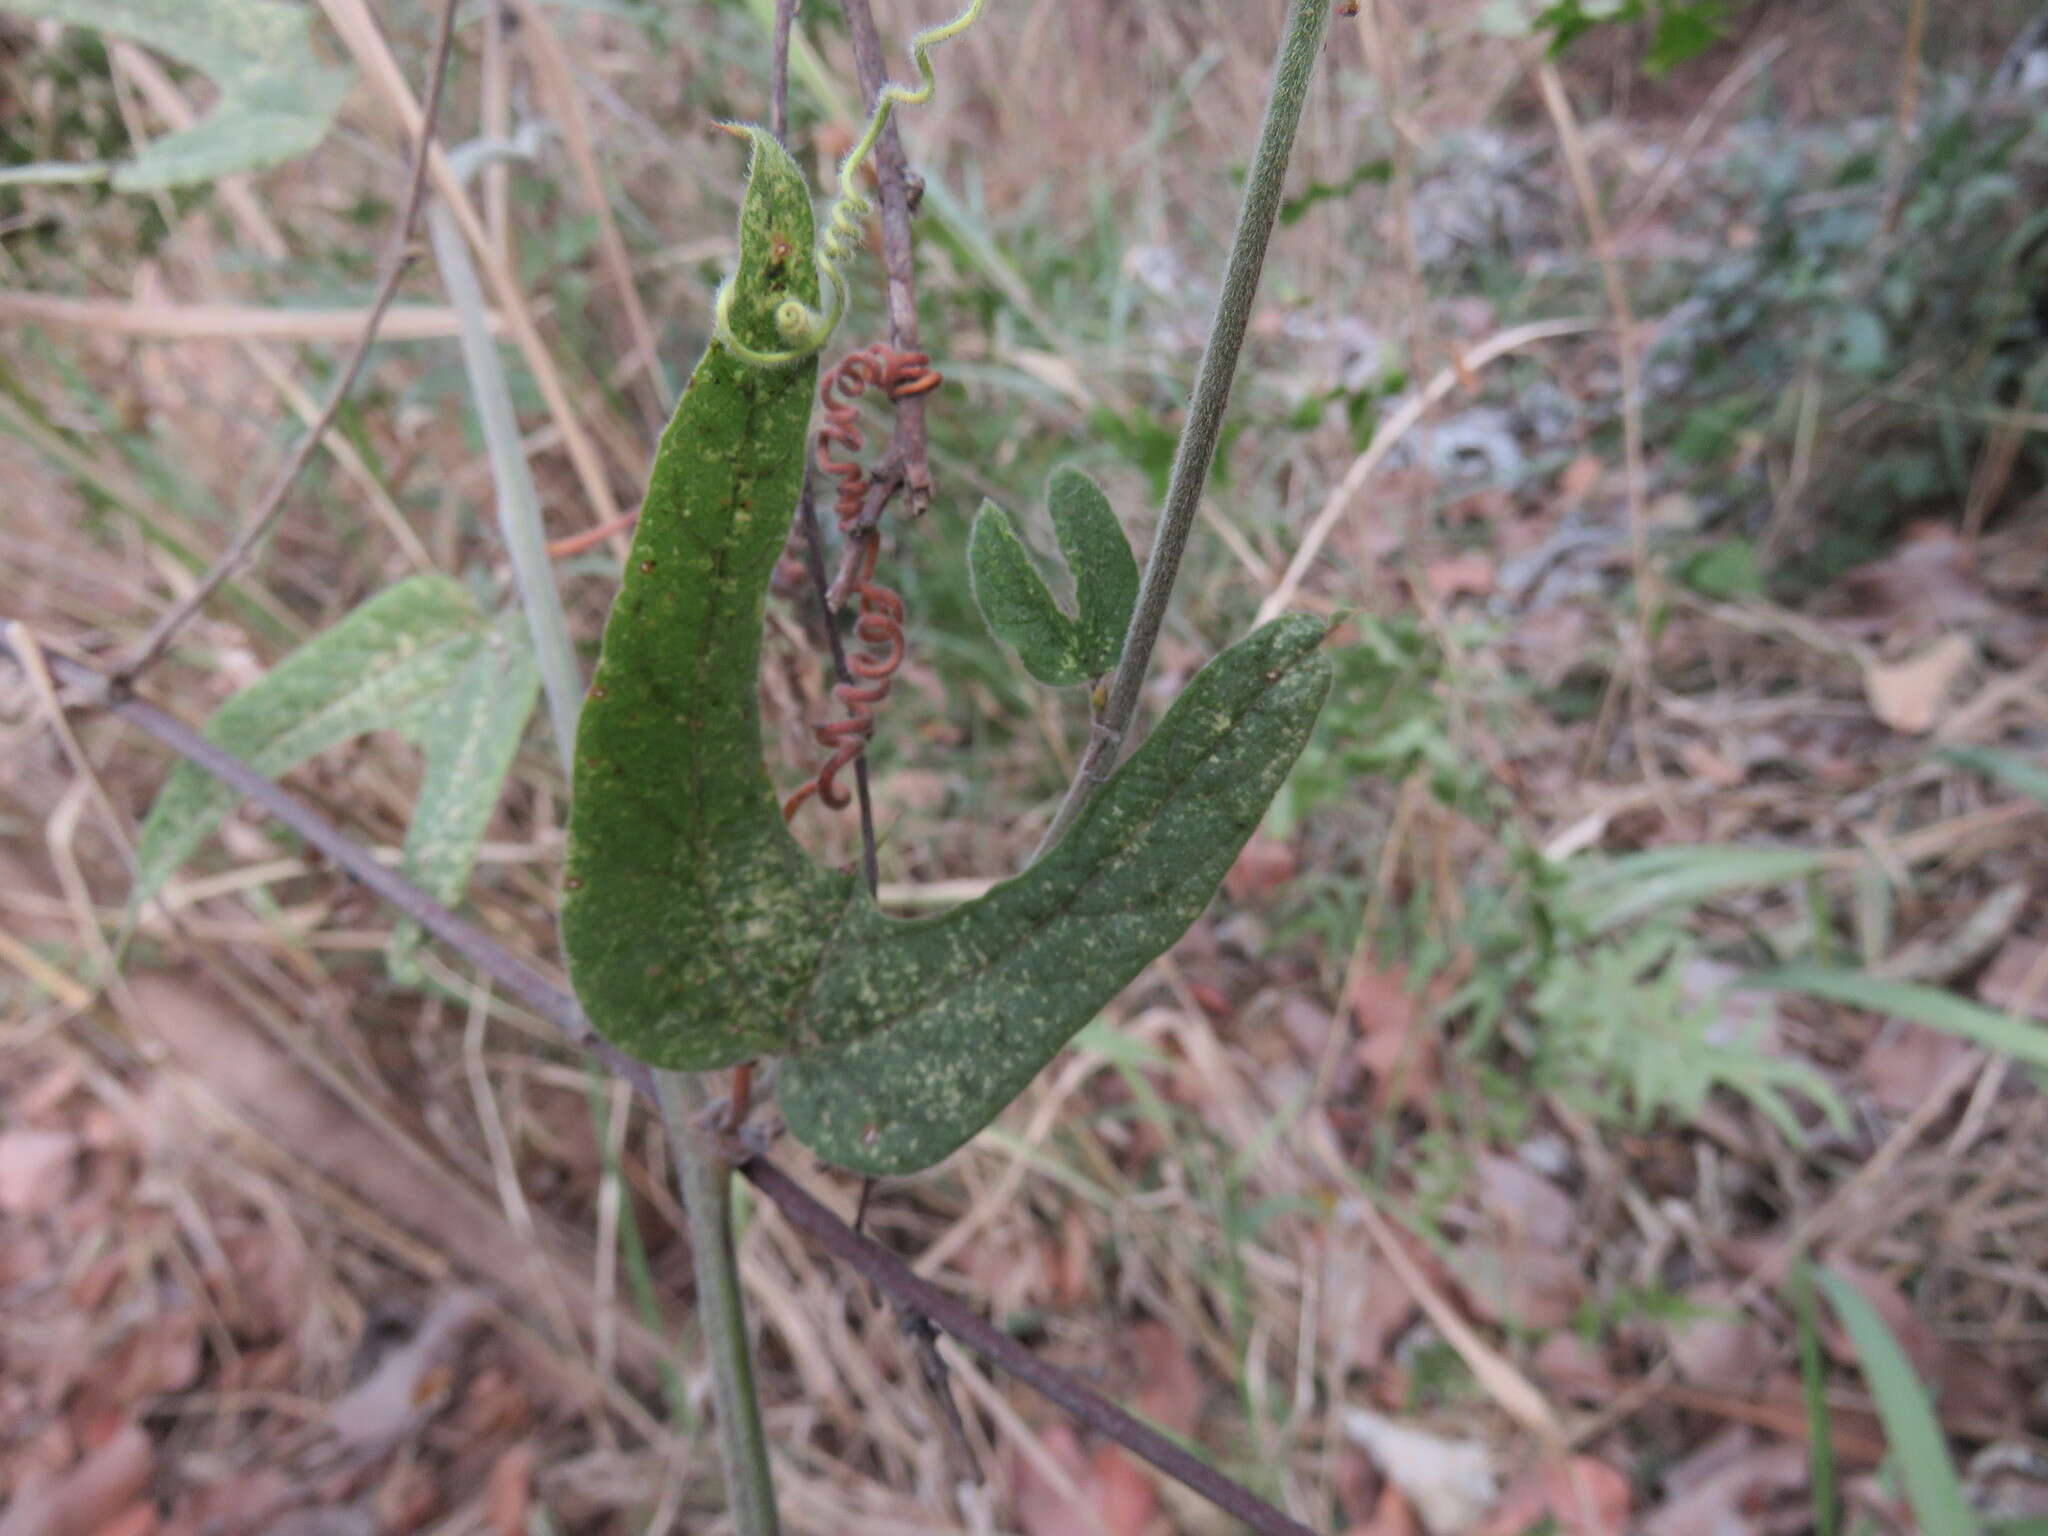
(949, 1017)
(691, 918)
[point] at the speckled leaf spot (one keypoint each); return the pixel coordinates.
(1059, 651)
(950, 1017)
(692, 920)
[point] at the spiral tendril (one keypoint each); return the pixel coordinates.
(880, 624)
(806, 329)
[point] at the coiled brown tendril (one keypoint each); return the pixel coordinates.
(880, 624)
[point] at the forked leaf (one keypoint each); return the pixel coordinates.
(691, 918)
(953, 1015)
(469, 736)
(1018, 605)
(277, 100)
(375, 670)
(699, 933)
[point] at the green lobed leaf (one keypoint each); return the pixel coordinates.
(691, 918)
(469, 735)
(374, 670)
(1910, 1427)
(952, 1016)
(277, 100)
(1019, 607)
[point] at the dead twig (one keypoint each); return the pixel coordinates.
(905, 466)
(805, 1213)
(397, 257)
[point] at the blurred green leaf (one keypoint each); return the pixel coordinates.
(1378, 172)
(1727, 569)
(469, 735)
(1917, 1444)
(375, 670)
(277, 100)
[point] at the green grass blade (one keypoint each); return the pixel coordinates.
(2009, 768)
(2018, 1038)
(1620, 890)
(1918, 1446)
(1820, 1427)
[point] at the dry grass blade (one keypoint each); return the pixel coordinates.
(230, 322)
(358, 28)
(1397, 425)
(396, 258)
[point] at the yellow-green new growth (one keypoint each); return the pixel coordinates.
(806, 329)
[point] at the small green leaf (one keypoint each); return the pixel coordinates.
(276, 98)
(375, 670)
(952, 1016)
(2018, 1038)
(1910, 1427)
(1059, 651)
(469, 736)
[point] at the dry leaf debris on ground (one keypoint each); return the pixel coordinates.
(285, 1247)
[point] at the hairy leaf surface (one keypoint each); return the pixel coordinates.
(470, 736)
(953, 1015)
(276, 101)
(1057, 650)
(691, 918)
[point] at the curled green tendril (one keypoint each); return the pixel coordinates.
(806, 329)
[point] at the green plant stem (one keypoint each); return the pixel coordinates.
(1307, 21)
(519, 519)
(706, 1180)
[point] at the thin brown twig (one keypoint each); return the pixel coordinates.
(814, 563)
(558, 1008)
(905, 466)
(778, 72)
(397, 257)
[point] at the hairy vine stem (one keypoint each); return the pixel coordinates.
(551, 1003)
(1307, 21)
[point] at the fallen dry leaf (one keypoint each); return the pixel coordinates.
(1727, 1500)
(508, 1492)
(1451, 1483)
(2017, 980)
(1905, 1063)
(409, 1381)
(1461, 576)
(1582, 1496)
(36, 1169)
(1263, 866)
(1908, 695)
(1169, 1387)
(1112, 1496)
(81, 1501)
(1723, 1347)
